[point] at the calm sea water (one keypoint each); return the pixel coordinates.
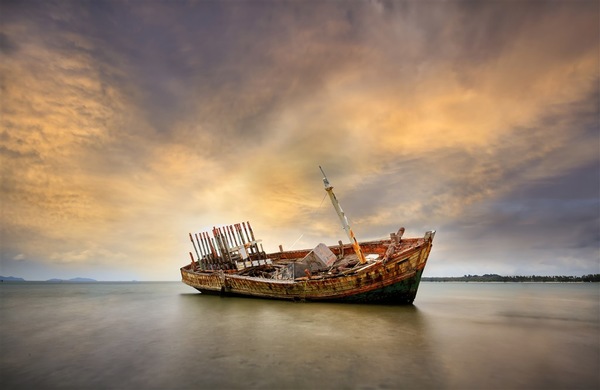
(167, 336)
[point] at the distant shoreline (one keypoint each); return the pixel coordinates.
(514, 279)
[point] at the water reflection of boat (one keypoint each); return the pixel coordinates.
(232, 262)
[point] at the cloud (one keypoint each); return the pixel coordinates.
(86, 255)
(125, 126)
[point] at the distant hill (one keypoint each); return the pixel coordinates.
(76, 280)
(82, 280)
(11, 279)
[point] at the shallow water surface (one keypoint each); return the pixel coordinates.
(165, 335)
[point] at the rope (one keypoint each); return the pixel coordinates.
(312, 215)
(295, 242)
(324, 196)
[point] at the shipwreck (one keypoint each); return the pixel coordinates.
(231, 261)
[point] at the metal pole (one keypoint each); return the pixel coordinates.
(194, 244)
(199, 246)
(248, 236)
(343, 219)
(253, 238)
(202, 252)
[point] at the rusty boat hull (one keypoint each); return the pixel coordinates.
(391, 275)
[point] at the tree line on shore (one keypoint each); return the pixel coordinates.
(499, 278)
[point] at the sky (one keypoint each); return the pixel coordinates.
(126, 125)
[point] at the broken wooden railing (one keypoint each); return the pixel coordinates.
(230, 247)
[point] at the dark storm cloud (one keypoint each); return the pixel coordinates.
(7, 45)
(554, 220)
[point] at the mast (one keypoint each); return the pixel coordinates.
(343, 219)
